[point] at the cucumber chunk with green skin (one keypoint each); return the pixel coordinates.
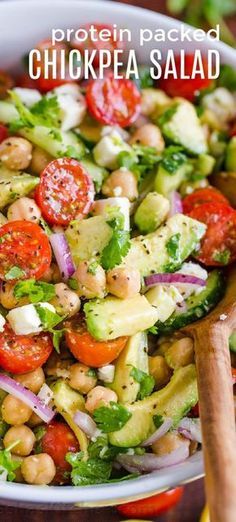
(151, 213)
(8, 112)
(98, 174)
(166, 182)
(55, 142)
(151, 253)
(14, 185)
(111, 317)
(134, 355)
(174, 401)
(181, 125)
(230, 161)
(197, 306)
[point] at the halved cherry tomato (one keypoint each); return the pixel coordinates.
(3, 132)
(113, 102)
(186, 88)
(218, 246)
(86, 349)
(233, 370)
(23, 245)
(201, 196)
(110, 45)
(194, 412)
(26, 82)
(65, 191)
(6, 83)
(57, 441)
(47, 84)
(152, 506)
(23, 353)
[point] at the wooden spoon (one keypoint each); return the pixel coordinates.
(211, 344)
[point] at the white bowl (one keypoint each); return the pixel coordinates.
(22, 24)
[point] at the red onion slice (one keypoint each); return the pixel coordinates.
(169, 278)
(191, 429)
(159, 432)
(176, 206)
(28, 397)
(63, 255)
(150, 462)
(85, 423)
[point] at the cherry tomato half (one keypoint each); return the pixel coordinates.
(47, 84)
(201, 196)
(57, 441)
(218, 245)
(186, 88)
(6, 83)
(65, 191)
(113, 102)
(23, 353)
(110, 45)
(152, 506)
(86, 349)
(23, 246)
(26, 82)
(3, 132)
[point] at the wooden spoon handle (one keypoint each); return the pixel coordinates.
(217, 415)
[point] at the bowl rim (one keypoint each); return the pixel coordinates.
(145, 485)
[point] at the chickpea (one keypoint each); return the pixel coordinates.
(149, 135)
(24, 209)
(99, 396)
(32, 380)
(40, 159)
(34, 420)
(90, 283)
(160, 370)
(65, 301)
(58, 365)
(7, 298)
(121, 183)
(80, 379)
(14, 411)
(123, 282)
(38, 469)
(52, 274)
(180, 353)
(15, 153)
(168, 443)
(26, 439)
(18, 475)
(153, 100)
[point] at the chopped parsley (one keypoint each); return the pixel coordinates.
(48, 109)
(119, 244)
(91, 471)
(36, 291)
(173, 159)
(45, 112)
(222, 256)
(147, 382)
(172, 246)
(7, 464)
(14, 273)
(111, 418)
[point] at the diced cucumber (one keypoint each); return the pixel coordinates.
(8, 112)
(98, 174)
(57, 143)
(166, 182)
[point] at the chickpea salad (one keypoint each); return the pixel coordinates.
(117, 220)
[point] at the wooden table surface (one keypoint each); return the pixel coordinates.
(190, 507)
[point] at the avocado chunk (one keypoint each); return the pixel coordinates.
(197, 306)
(88, 238)
(13, 185)
(133, 355)
(153, 253)
(166, 182)
(174, 401)
(151, 212)
(230, 160)
(68, 402)
(180, 125)
(111, 317)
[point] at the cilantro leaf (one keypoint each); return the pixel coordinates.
(48, 318)
(92, 471)
(158, 420)
(152, 330)
(14, 273)
(48, 109)
(222, 256)
(57, 337)
(36, 290)
(172, 246)
(167, 115)
(111, 418)
(173, 158)
(7, 464)
(73, 283)
(119, 244)
(147, 382)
